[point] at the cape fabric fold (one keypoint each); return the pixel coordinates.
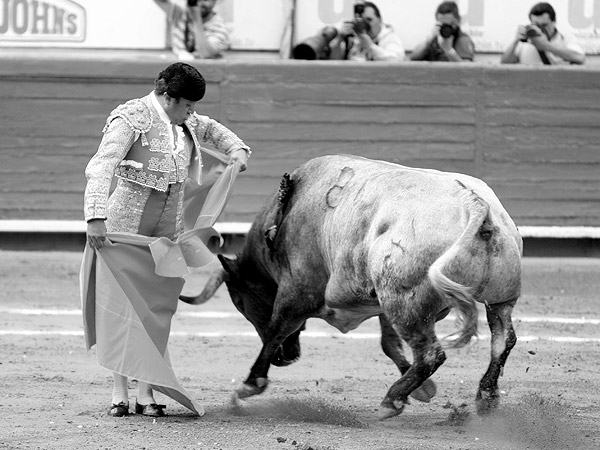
(130, 289)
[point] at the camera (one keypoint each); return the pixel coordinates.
(447, 30)
(316, 47)
(530, 32)
(361, 26)
(192, 2)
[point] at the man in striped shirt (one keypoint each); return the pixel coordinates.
(196, 30)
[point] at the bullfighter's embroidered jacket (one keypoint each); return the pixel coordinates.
(138, 146)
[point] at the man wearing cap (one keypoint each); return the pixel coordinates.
(153, 147)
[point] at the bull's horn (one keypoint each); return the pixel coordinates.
(213, 283)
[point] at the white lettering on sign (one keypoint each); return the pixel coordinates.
(42, 21)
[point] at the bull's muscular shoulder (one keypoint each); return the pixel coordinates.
(136, 113)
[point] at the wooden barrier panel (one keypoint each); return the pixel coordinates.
(532, 133)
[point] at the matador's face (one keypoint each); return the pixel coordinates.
(178, 109)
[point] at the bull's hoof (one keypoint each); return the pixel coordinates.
(386, 413)
(248, 390)
(487, 402)
(287, 353)
(280, 362)
(425, 392)
(390, 410)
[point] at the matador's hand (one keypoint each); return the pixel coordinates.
(96, 233)
(240, 156)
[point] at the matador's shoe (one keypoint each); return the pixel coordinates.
(152, 410)
(119, 410)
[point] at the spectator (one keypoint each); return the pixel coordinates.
(446, 42)
(540, 42)
(152, 146)
(196, 29)
(367, 38)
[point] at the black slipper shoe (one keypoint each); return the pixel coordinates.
(152, 410)
(119, 410)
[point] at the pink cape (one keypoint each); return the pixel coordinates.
(130, 289)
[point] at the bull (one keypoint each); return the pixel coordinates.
(347, 238)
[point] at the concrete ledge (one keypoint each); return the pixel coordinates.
(79, 226)
(69, 235)
(42, 226)
(560, 232)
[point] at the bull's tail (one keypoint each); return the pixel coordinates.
(460, 296)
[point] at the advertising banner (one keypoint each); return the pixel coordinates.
(254, 24)
(129, 24)
(117, 24)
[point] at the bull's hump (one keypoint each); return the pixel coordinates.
(348, 319)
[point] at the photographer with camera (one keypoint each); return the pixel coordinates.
(196, 30)
(541, 43)
(446, 42)
(367, 38)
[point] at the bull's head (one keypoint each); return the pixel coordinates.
(251, 293)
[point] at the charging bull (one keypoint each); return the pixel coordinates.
(347, 238)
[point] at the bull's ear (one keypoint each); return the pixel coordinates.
(227, 263)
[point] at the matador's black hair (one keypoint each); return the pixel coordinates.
(180, 80)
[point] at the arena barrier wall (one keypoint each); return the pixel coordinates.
(531, 133)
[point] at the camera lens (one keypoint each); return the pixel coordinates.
(531, 32)
(361, 26)
(447, 30)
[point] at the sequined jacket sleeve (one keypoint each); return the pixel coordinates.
(221, 137)
(116, 142)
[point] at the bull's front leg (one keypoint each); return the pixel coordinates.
(257, 381)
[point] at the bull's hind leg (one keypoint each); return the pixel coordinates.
(392, 347)
(503, 340)
(428, 356)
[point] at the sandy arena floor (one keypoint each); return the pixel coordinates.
(54, 396)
